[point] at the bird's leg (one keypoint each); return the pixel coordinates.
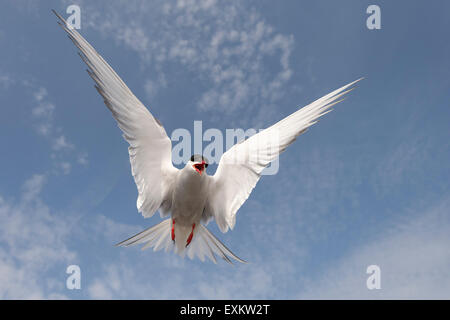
(173, 230)
(189, 239)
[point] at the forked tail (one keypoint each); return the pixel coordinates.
(203, 243)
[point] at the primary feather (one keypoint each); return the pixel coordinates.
(240, 167)
(150, 148)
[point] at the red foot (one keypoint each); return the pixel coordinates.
(189, 239)
(173, 229)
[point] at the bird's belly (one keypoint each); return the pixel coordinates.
(189, 199)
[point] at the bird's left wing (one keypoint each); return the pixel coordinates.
(240, 167)
(150, 148)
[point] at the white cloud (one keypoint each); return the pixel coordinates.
(5, 81)
(40, 94)
(42, 115)
(227, 47)
(98, 290)
(45, 126)
(61, 143)
(43, 110)
(83, 159)
(33, 250)
(152, 87)
(32, 187)
(66, 167)
(167, 280)
(413, 255)
(403, 164)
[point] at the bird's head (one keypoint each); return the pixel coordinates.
(198, 162)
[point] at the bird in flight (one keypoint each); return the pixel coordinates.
(190, 196)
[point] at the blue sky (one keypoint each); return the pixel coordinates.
(367, 185)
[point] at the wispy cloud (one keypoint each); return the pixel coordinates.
(33, 250)
(125, 280)
(413, 255)
(60, 143)
(83, 158)
(43, 112)
(5, 81)
(226, 47)
(42, 115)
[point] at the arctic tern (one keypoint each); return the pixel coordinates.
(190, 196)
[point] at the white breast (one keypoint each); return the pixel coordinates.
(189, 196)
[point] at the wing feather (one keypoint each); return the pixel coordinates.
(150, 147)
(240, 167)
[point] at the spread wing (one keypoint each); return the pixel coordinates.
(150, 147)
(240, 167)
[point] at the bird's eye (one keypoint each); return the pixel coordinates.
(192, 158)
(206, 165)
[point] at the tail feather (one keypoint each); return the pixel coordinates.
(207, 244)
(148, 236)
(204, 243)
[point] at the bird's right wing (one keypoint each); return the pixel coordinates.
(150, 148)
(240, 167)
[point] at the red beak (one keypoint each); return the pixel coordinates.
(200, 167)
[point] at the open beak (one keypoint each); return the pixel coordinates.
(199, 167)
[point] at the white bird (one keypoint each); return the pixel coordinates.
(190, 196)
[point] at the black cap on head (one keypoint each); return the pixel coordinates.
(199, 158)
